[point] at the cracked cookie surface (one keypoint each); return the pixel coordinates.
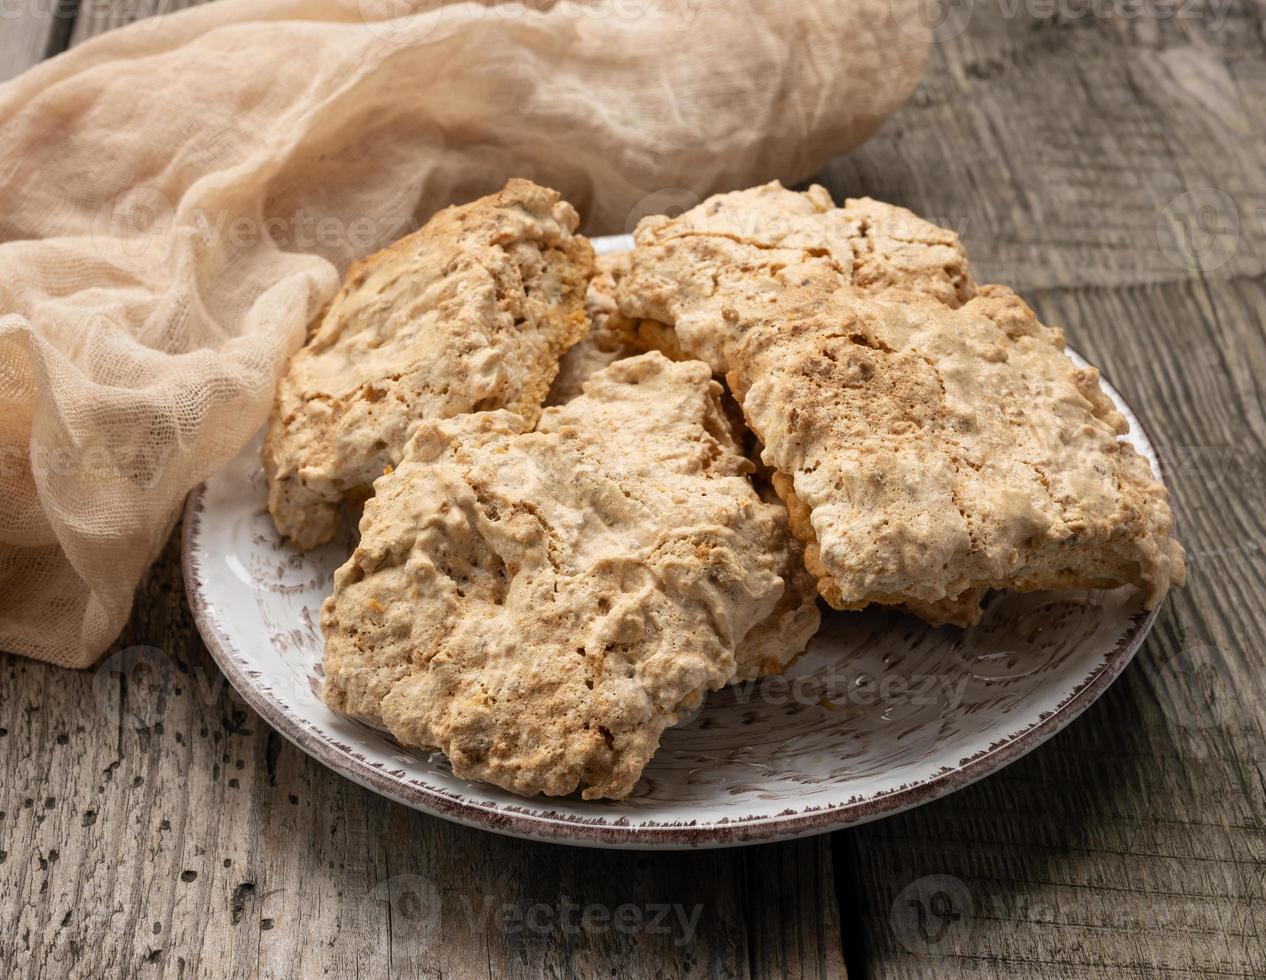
(604, 345)
(860, 345)
(758, 242)
(471, 312)
(541, 605)
(928, 454)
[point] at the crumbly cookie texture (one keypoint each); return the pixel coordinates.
(785, 632)
(928, 454)
(963, 609)
(753, 244)
(758, 242)
(541, 605)
(472, 312)
(788, 631)
(604, 345)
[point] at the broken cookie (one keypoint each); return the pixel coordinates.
(541, 605)
(470, 313)
(931, 440)
(929, 454)
(604, 345)
(758, 242)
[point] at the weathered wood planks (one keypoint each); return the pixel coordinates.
(1107, 162)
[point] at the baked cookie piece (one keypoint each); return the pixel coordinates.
(788, 630)
(928, 454)
(783, 635)
(472, 312)
(540, 605)
(604, 345)
(750, 245)
(754, 243)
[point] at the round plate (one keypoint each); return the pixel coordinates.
(882, 714)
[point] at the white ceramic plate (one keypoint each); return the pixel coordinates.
(883, 714)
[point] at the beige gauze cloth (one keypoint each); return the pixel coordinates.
(178, 199)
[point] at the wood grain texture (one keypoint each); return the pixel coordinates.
(1107, 160)
(1110, 168)
(172, 833)
(149, 821)
(1133, 844)
(1059, 147)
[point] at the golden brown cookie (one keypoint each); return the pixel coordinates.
(757, 242)
(753, 243)
(541, 605)
(471, 312)
(803, 303)
(928, 454)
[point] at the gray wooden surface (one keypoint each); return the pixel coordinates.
(1108, 159)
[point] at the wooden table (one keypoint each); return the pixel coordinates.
(1108, 161)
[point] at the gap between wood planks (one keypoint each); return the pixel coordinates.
(958, 132)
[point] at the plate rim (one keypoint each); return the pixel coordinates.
(579, 831)
(615, 832)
